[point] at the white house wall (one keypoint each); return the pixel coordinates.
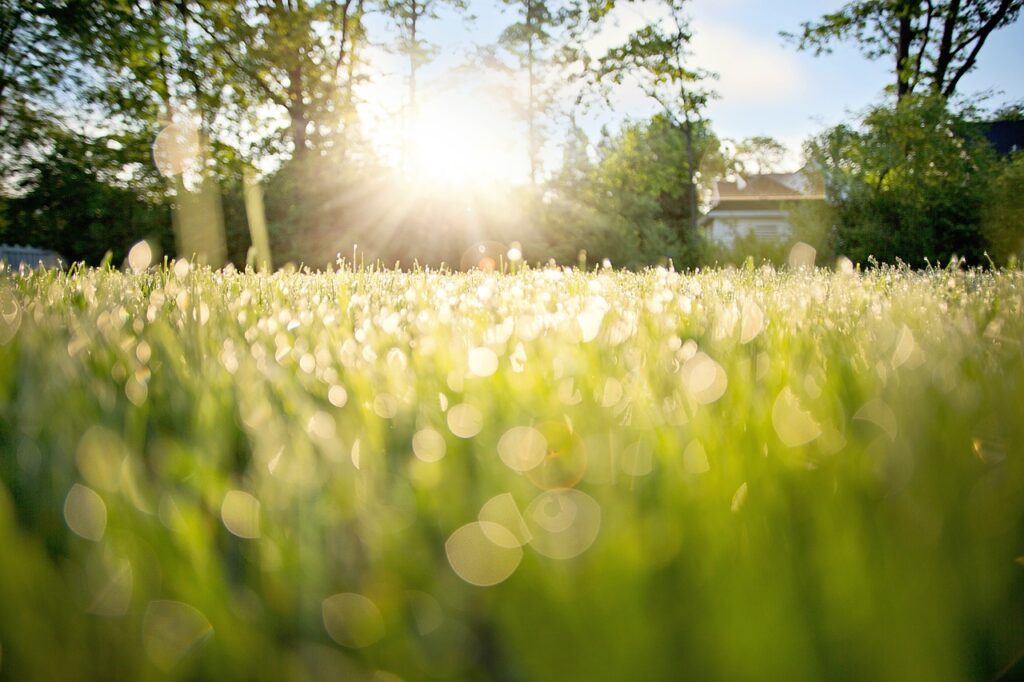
(725, 227)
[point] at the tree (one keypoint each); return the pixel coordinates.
(68, 202)
(408, 16)
(630, 205)
(36, 57)
(933, 44)
(909, 184)
(759, 154)
(300, 56)
(658, 56)
(1003, 213)
(529, 40)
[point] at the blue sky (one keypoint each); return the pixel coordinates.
(766, 87)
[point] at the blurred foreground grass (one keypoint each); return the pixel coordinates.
(551, 475)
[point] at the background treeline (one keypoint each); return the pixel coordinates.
(275, 90)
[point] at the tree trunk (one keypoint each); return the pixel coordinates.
(906, 36)
(413, 62)
(691, 185)
(945, 55)
(297, 108)
(531, 107)
(354, 34)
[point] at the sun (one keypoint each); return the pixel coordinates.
(458, 141)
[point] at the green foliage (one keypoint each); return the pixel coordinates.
(658, 58)
(36, 57)
(529, 40)
(631, 206)
(1003, 213)
(302, 59)
(934, 44)
(759, 154)
(791, 475)
(68, 202)
(910, 184)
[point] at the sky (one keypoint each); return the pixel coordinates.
(765, 86)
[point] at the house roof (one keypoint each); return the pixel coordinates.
(767, 187)
(756, 194)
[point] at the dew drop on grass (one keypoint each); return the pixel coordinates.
(876, 412)
(140, 256)
(988, 451)
(483, 362)
(240, 513)
(176, 148)
(428, 445)
(522, 448)
(98, 457)
(465, 420)
(638, 459)
(793, 424)
(478, 559)
(518, 358)
(321, 425)
(802, 256)
(85, 513)
(612, 392)
(704, 379)
(356, 454)
(427, 614)
(753, 322)
(170, 629)
(589, 322)
(456, 381)
(904, 347)
(181, 268)
(10, 317)
(337, 396)
(352, 620)
(112, 590)
(739, 498)
(385, 405)
(502, 511)
(564, 523)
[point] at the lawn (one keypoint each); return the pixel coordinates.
(740, 474)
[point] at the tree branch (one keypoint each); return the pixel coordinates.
(945, 46)
(992, 24)
(924, 43)
(256, 78)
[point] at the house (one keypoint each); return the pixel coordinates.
(15, 256)
(1005, 136)
(758, 205)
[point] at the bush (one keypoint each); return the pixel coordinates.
(1003, 213)
(909, 185)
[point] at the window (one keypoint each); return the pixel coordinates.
(766, 231)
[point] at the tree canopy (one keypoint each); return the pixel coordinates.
(932, 44)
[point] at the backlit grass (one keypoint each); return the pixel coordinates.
(546, 475)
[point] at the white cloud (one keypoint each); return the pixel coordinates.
(752, 69)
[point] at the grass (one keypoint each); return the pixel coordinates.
(546, 475)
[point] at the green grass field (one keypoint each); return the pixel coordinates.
(547, 475)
